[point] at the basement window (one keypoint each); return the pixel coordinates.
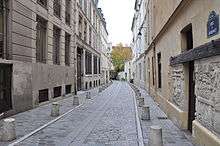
(57, 91)
(68, 89)
(43, 95)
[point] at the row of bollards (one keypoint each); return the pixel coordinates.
(8, 131)
(155, 135)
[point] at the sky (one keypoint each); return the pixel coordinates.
(118, 15)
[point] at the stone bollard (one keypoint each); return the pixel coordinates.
(100, 89)
(155, 137)
(55, 110)
(88, 95)
(145, 115)
(141, 102)
(75, 100)
(8, 130)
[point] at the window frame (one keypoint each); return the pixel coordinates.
(43, 5)
(67, 48)
(56, 49)
(57, 8)
(41, 56)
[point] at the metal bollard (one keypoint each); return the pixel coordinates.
(8, 130)
(141, 102)
(55, 110)
(145, 115)
(88, 95)
(75, 100)
(155, 137)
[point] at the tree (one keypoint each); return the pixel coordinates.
(120, 54)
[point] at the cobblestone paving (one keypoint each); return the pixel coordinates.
(107, 119)
(172, 135)
(28, 121)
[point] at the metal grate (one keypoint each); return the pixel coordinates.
(57, 91)
(68, 89)
(43, 95)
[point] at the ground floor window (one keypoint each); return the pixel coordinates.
(57, 91)
(43, 95)
(68, 89)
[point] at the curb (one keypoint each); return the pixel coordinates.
(139, 130)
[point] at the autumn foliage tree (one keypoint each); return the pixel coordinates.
(120, 54)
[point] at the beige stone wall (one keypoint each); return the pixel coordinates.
(173, 96)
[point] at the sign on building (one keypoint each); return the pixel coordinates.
(213, 24)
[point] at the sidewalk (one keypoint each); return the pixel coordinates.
(172, 135)
(29, 121)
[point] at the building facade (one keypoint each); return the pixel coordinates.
(48, 50)
(91, 43)
(182, 64)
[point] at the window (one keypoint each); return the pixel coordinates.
(152, 62)
(3, 26)
(42, 3)
(88, 62)
(68, 89)
(85, 7)
(67, 13)
(99, 66)
(56, 8)
(67, 49)
(159, 70)
(56, 45)
(95, 64)
(90, 35)
(41, 40)
(81, 2)
(43, 95)
(90, 11)
(187, 38)
(85, 31)
(80, 26)
(140, 71)
(57, 91)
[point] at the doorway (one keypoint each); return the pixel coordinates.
(5, 87)
(187, 44)
(192, 96)
(79, 69)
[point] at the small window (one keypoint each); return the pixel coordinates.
(57, 91)
(43, 95)
(159, 70)
(68, 89)
(57, 8)
(42, 3)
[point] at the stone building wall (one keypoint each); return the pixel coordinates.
(177, 86)
(207, 74)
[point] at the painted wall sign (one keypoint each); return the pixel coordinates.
(213, 24)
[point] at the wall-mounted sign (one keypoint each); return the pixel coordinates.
(213, 24)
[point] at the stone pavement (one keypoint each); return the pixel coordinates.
(172, 135)
(28, 121)
(107, 119)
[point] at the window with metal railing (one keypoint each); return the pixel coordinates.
(67, 12)
(56, 45)
(57, 8)
(41, 40)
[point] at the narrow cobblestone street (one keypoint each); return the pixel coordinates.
(107, 119)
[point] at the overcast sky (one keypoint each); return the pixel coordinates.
(118, 15)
